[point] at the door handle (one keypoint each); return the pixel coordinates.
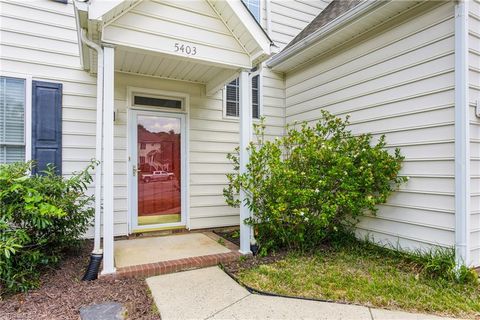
(135, 170)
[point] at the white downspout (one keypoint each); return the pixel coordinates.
(98, 141)
(462, 136)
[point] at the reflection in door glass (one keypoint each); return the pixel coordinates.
(159, 196)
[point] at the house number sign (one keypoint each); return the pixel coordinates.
(180, 47)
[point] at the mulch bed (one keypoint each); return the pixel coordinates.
(62, 294)
(251, 262)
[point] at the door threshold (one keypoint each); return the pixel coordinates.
(153, 229)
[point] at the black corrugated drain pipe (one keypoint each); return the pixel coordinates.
(93, 267)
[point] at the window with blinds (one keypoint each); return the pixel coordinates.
(233, 100)
(12, 120)
(254, 7)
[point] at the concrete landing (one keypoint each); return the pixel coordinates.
(209, 293)
(165, 248)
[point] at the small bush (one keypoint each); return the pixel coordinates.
(312, 182)
(40, 217)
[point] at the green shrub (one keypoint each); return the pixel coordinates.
(315, 181)
(40, 217)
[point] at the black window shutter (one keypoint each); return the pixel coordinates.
(47, 125)
(255, 97)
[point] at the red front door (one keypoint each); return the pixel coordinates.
(159, 169)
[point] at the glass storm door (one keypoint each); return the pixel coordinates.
(158, 169)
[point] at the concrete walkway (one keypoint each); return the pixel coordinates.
(211, 294)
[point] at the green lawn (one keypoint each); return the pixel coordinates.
(363, 274)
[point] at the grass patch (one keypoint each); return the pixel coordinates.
(362, 273)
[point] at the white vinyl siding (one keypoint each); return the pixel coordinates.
(289, 17)
(272, 100)
(12, 119)
(400, 83)
(474, 96)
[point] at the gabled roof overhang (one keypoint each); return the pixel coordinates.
(350, 25)
(226, 37)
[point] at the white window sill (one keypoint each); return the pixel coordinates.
(237, 119)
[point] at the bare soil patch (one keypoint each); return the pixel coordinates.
(232, 235)
(62, 293)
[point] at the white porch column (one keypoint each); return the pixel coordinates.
(245, 138)
(108, 107)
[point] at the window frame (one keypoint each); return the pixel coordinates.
(162, 94)
(156, 97)
(28, 110)
(260, 99)
(260, 8)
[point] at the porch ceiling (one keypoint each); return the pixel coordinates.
(167, 66)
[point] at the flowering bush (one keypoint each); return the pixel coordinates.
(313, 182)
(40, 217)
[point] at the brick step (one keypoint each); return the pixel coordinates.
(171, 266)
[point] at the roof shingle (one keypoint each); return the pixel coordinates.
(335, 9)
